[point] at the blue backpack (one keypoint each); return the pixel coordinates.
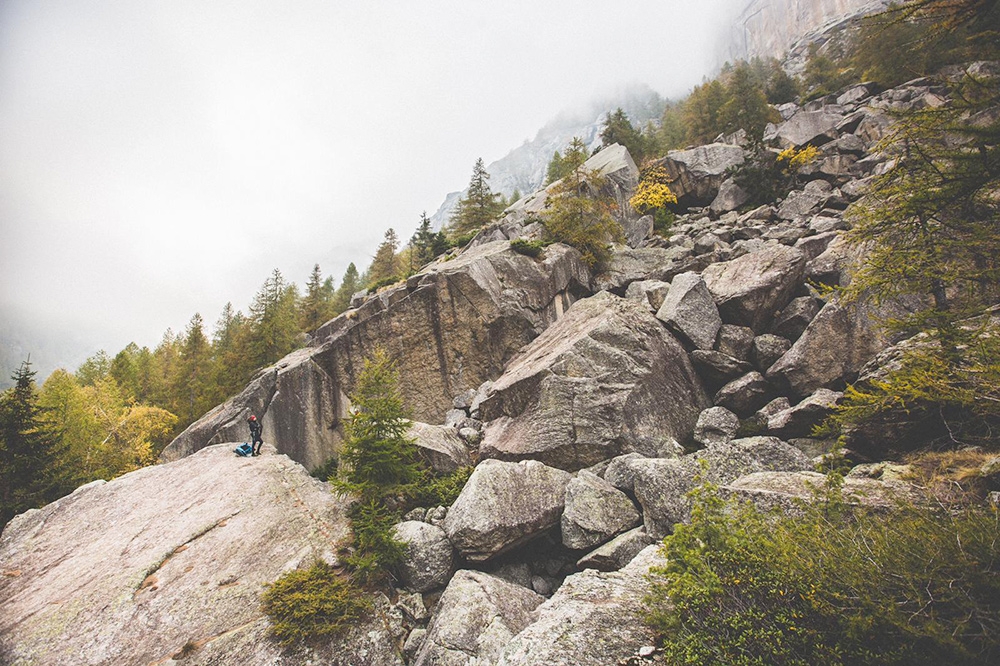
(243, 450)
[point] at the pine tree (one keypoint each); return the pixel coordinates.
(273, 321)
(125, 370)
(562, 165)
(28, 449)
(479, 207)
(350, 284)
(422, 242)
(317, 305)
(746, 105)
(385, 264)
(618, 129)
(192, 388)
(579, 215)
(378, 456)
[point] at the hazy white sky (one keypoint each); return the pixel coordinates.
(160, 158)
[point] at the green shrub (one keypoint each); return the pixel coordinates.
(832, 586)
(327, 470)
(376, 549)
(312, 603)
(441, 490)
(533, 249)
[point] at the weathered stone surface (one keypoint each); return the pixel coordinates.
(661, 485)
(689, 311)
(650, 291)
(834, 347)
(807, 127)
(129, 571)
(475, 619)
(429, 556)
(799, 420)
(791, 322)
(594, 619)
(835, 265)
(735, 341)
(474, 311)
(595, 512)
(717, 369)
(637, 229)
(730, 197)
(784, 490)
(750, 289)
(628, 265)
(696, 174)
(606, 379)
(503, 505)
(801, 204)
(716, 425)
(815, 245)
(616, 553)
(767, 349)
(619, 472)
(440, 446)
(745, 395)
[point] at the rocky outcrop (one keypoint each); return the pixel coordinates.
(697, 174)
(475, 620)
(749, 290)
(594, 619)
(440, 447)
(606, 379)
(784, 491)
(122, 572)
(503, 505)
(472, 313)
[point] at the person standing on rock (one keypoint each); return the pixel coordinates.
(255, 430)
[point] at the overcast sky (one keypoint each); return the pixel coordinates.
(159, 158)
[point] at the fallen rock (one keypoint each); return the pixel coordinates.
(799, 420)
(745, 395)
(475, 620)
(784, 491)
(604, 380)
(650, 291)
(628, 265)
(661, 486)
(475, 312)
(689, 311)
(735, 341)
(503, 505)
(697, 174)
(750, 289)
(806, 127)
(717, 369)
(767, 349)
(730, 197)
(133, 570)
(440, 446)
(716, 425)
(619, 472)
(616, 553)
(793, 320)
(429, 557)
(595, 512)
(593, 619)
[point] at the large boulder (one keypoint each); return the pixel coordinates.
(616, 553)
(429, 556)
(594, 619)
(503, 505)
(785, 491)
(806, 127)
(628, 265)
(173, 558)
(595, 512)
(440, 447)
(836, 344)
(749, 290)
(471, 314)
(689, 311)
(475, 619)
(799, 420)
(606, 379)
(661, 485)
(697, 174)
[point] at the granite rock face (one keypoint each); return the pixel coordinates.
(429, 557)
(474, 312)
(129, 571)
(689, 311)
(594, 619)
(749, 290)
(476, 618)
(606, 379)
(697, 174)
(595, 512)
(503, 505)
(440, 446)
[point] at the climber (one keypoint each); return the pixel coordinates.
(255, 429)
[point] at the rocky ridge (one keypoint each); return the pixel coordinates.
(590, 404)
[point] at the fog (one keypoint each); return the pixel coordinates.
(159, 159)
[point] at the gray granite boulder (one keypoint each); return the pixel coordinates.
(735, 341)
(689, 311)
(628, 265)
(475, 619)
(792, 321)
(806, 127)
(767, 349)
(799, 420)
(661, 486)
(745, 395)
(440, 446)
(716, 425)
(749, 290)
(616, 553)
(503, 505)
(606, 379)
(132, 570)
(697, 174)
(730, 197)
(619, 472)
(717, 369)
(595, 512)
(474, 312)
(429, 559)
(594, 619)
(786, 490)
(651, 292)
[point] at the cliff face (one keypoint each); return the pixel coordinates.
(768, 28)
